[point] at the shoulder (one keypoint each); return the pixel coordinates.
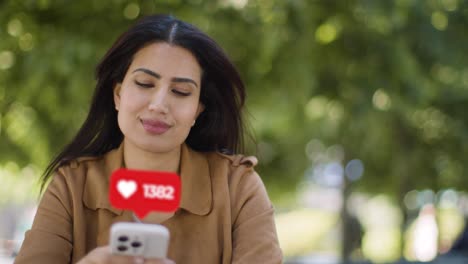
(247, 193)
(99, 163)
(76, 172)
(67, 185)
(233, 160)
(238, 168)
(235, 166)
(69, 179)
(86, 179)
(79, 166)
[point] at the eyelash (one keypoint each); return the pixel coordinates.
(146, 85)
(179, 93)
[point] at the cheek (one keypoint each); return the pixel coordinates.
(132, 101)
(186, 115)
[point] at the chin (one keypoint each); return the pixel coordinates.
(157, 147)
(155, 144)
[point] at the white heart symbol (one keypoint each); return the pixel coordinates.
(126, 188)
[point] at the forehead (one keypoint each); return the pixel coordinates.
(167, 60)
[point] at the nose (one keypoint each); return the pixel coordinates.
(159, 102)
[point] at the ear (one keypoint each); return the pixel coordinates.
(201, 108)
(116, 93)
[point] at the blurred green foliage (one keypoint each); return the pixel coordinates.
(386, 81)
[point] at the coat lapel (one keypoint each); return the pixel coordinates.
(196, 182)
(96, 189)
(195, 178)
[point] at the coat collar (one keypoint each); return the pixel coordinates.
(195, 179)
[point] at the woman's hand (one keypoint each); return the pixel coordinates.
(102, 255)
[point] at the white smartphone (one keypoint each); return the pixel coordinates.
(139, 239)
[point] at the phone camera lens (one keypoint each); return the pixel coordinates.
(122, 248)
(123, 238)
(136, 244)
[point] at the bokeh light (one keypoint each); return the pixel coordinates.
(439, 20)
(26, 42)
(381, 100)
(15, 27)
(450, 5)
(354, 169)
(7, 59)
(326, 33)
(131, 11)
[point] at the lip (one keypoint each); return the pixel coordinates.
(155, 126)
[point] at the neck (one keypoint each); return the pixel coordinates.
(140, 159)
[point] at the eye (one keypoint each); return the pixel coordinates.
(180, 93)
(144, 85)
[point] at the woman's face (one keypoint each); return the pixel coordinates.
(158, 100)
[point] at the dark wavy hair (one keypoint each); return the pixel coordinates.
(218, 127)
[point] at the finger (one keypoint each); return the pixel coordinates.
(138, 260)
(159, 261)
(98, 255)
(115, 259)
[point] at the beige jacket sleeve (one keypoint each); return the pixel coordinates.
(50, 238)
(254, 232)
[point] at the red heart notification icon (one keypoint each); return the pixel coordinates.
(145, 191)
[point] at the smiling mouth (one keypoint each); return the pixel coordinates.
(155, 127)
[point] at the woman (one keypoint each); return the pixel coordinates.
(167, 99)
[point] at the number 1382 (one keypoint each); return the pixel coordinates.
(161, 192)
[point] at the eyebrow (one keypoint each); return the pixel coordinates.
(158, 76)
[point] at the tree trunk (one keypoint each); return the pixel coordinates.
(346, 228)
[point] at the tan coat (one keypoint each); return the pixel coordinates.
(225, 215)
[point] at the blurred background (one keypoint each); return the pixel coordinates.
(359, 109)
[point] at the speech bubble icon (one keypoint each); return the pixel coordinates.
(144, 191)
